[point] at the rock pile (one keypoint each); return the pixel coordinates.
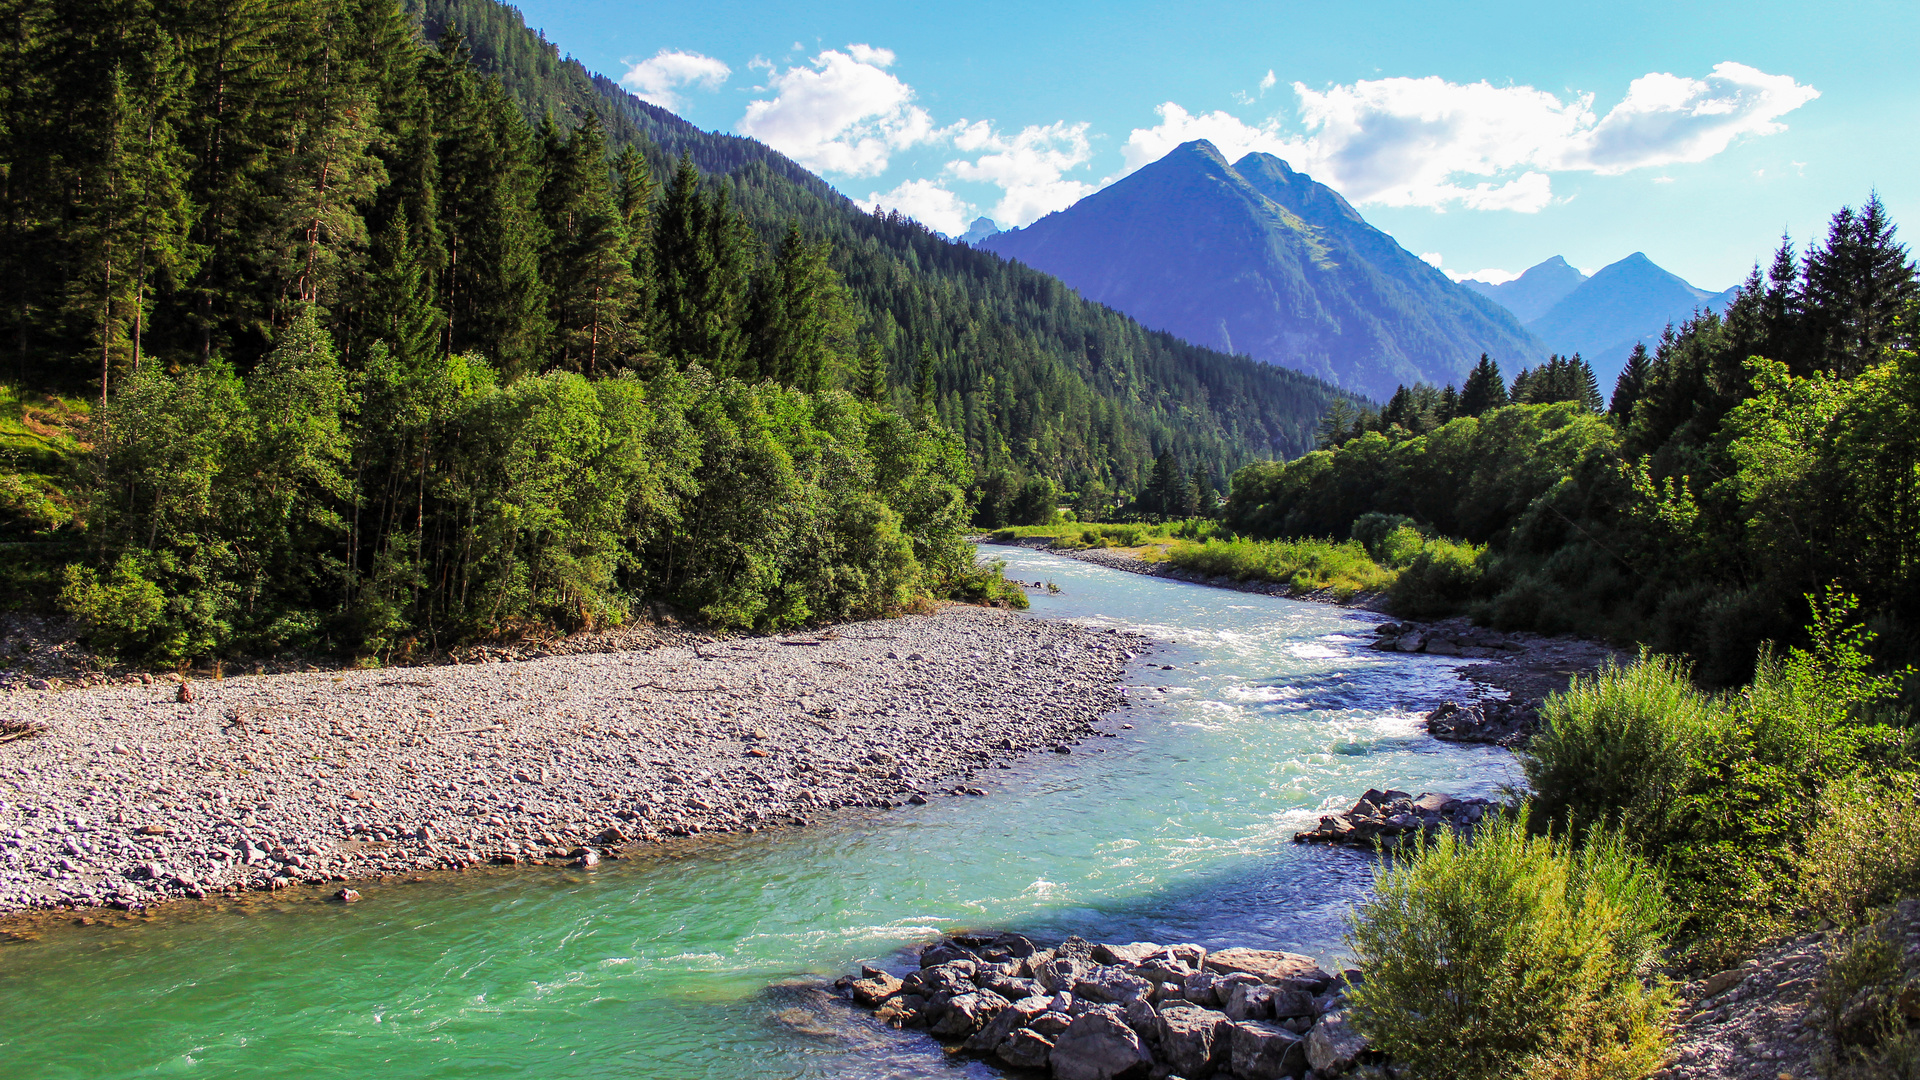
(1503, 723)
(1082, 1011)
(1395, 817)
(1453, 640)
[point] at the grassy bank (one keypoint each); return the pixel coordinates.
(1423, 576)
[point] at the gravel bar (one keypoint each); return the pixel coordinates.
(130, 797)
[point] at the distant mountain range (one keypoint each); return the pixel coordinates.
(1603, 316)
(1258, 259)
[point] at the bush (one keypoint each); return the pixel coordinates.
(1439, 580)
(1865, 851)
(1303, 565)
(1512, 955)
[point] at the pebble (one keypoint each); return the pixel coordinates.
(322, 776)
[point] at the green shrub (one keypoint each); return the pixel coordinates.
(983, 583)
(121, 608)
(1512, 955)
(1864, 852)
(1439, 580)
(1303, 565)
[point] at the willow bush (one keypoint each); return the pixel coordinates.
(1513, 955)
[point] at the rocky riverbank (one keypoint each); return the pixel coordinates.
(1081, 1011)
(131, 795)
(1133, 564)
(1388, 819)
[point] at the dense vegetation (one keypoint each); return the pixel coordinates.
(1746, 461)
(400, 329)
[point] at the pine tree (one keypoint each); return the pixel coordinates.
(1857, 286)
(1780, 307)
(1485, 390)
(702, 260)
(494, 299)
(1449, 408)
(587, 262)
(1584, 385)
(400, 308)
(803, 324)
(132, 219)
(1631, 385)
(924, 387)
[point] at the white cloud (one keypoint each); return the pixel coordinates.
(1668, 119)
(928, 203)
(1029, 168)
(1433, 143)
(844, 113)
(1490, 276)
(1267, 83)
(657, 78)
(1432, 258)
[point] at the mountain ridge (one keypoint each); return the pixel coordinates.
(1256, 258)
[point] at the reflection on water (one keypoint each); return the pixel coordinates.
(1255, 715)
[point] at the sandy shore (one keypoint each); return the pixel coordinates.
(131, 797)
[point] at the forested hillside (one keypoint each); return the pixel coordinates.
(394, 342)
(1748, 462)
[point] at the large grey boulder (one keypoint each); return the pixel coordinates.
(1193, 1040)
(1010, 1019)
(1099, 1046)
(1250, 1002)
(1333, 1045)
(1060, 972)
(1262, 1050)
(1110, 984)
(1289, 971)
(941, 952)
(875, 989)
(968, 1013)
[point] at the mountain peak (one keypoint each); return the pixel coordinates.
(1624, 302)
(1256, 258)
(1530, 295)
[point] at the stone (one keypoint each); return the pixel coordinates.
(347, 896)
(1015, 1016)
(1141, 1016)
(1025, 1048)
(587, 858)
(1011, 987)
(955, 976)
(1288, 1003)
(1098, 1046)
(1289, 971)
(968, 1013)
(1124, 955)
(1059, 973)
(875, 989)
(1051, 1023)
(1110, 984)
(1253, 1002)
(1199, 988)
(184, 695)
(1015, 945)
(1723, 982)
(1333, 1045)
(902, 1011)
(1261, 1050)
(1192, 1040)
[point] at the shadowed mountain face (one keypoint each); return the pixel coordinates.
(1532, 293)
(1630, 301)
(1256, 258)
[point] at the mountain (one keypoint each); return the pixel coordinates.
(981, 228)
(1630, 301)
(1038, 381)
(1255, 258)
(1532, 293)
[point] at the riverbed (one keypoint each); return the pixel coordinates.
(1251, 717)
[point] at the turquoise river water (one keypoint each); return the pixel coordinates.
(705, 962)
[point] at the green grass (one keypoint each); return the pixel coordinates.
(41, 442)
(1078, 535)
(1303, 565)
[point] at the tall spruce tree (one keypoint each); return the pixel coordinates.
(1484, 390)
(703, 265)
(1858, 285)
(1632, 383)
(803, 322)
(587, 262)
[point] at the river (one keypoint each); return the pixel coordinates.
(1253, 716)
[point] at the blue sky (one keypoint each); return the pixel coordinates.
(1486, 136)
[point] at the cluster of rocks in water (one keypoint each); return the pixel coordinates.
(1143, 1011)
(1454, 639)
(1510, 724)
(1390, 818)
(130, 795)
